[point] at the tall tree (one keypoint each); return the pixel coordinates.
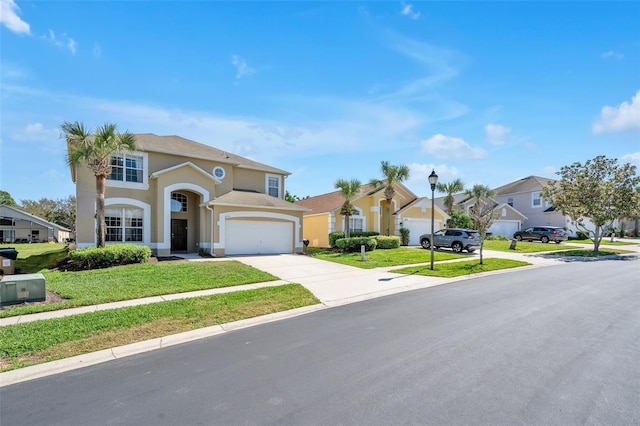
(95, 150)
(392, 175)
(61, 211)
(482, 212)
(7, 199)
(599, 190)
(450, 189)
(350, 189)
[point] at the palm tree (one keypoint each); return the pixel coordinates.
(482, 211)
(392, 175)
(350, 189)
(95, 150)
(450, 189)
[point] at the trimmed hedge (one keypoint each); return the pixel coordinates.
(385, 243)
(353, 244)
(333, 236)
(113, 255)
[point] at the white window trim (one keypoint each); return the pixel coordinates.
(266, 184)
(536, 196)
(146, 218)
(144, 185)
(355, 216)
(213, 172)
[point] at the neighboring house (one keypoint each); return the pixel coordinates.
(323, 214)
(17, 226)
(507, 221)
(524, 196)
(177, 195)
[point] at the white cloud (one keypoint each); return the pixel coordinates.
(612, 54)
(419, 176)
(617, 119)
(63, 41)
(10, 19)
(242, 68)
(448, 147)
(497, 134)
(633, 158)
(407, 10)
(36, 132)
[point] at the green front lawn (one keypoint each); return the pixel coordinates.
(26, 250)
(42, 341)
(525, 246)
(140, 280)
(456, 269)
(606, 241)
(382, 258)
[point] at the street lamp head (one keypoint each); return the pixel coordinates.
(433, 179)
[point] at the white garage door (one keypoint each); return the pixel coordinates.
(416, 228)
(258, 237)
(504, 228)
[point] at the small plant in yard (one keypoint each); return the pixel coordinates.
(105, 257)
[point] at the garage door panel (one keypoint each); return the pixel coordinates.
(258, 237)
(417, 228)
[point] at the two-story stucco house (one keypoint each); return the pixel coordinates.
(176, 195)
(407, 210)
(524, 196)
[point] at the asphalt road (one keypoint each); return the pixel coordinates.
(557, 345)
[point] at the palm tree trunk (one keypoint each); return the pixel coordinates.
(347, 230)
(388, 201)
(100, 226)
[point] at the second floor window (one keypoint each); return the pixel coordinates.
(510, 201)
(536, 201)
(127, 168)
(273, 188)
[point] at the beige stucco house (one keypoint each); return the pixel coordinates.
(407, 210)
(176, 195)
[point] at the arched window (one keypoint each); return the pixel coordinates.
(178, 202)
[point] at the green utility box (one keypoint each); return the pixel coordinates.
(16, 289)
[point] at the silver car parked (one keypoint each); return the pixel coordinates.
(457, 239)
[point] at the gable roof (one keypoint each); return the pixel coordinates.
(327, 202)
(176, 145)
(179, 146)
(183, 165)
(29, 217)
(528, 184)
(253, 199)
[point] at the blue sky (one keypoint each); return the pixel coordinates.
(488, 92)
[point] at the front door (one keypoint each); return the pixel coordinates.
(178, 235)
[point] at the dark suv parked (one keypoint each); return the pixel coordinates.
(542, 233)
(457, 239)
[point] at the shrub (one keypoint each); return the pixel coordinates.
(119, 254)
(385, 243)
(404, 236)
(353, 244)
(497, 238)
(354, 234)
(582, 235)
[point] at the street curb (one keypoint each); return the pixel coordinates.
(63, 365)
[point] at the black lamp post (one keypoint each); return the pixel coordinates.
(433, 179)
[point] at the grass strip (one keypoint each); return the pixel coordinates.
(385, 258)
(42, 341)
(525, 246)
(141, 280)
(456, 269)
(591, 253)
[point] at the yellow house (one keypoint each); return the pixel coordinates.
(407, 210)
(176, 195)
